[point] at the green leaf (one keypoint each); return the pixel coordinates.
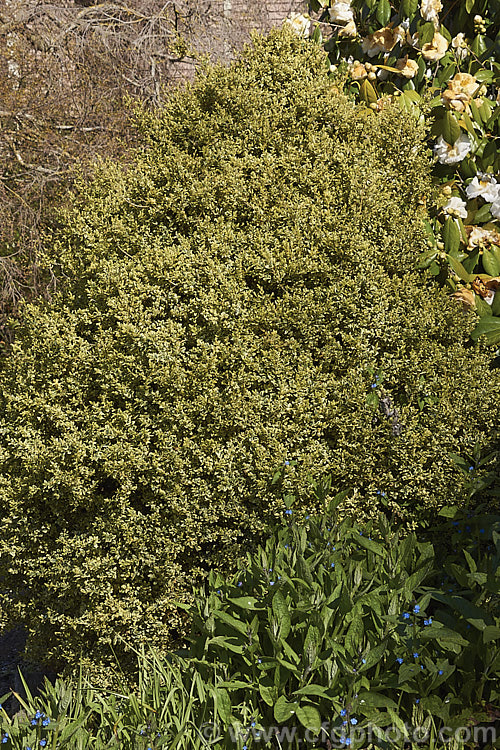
(268, 694)
(450, 511)
(282, 614)
(322, 692)
(238, 625)
(451, 235)
(383, 14)
(489, 327)
(245, 602)
(372, 546)
(309, 717)
(228, 643)
(354, 635)
(491, 262)
(490, 633)
(223, 705)
(367, 93)
(459, 269)
(483, 214)
(450, 128)
(373, 699)
(283, 710)
(426, 33)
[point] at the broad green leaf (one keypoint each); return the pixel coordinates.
(223, 705)
(246, 602)
(383, 12)
(373, 699)
(280, 610)
(354, 636)
(238, 625)
(367, 93)
(459, 269)
(489, 327)
(283, 710)
(491, 633)
(451, 235)
(409, 8)
(309, 717)
(483, 309)
(228, 643)
(450, 511)
(491, 262)
(450, 128)
(426, 33)
(268, 694)
(483, 214)
(322, 692)
(371, 545)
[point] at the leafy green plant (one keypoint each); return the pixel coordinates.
(228, 297)
(347, 626)
(437, 60)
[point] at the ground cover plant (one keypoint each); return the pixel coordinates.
(240, 300)
(331, 630)
(439, 61)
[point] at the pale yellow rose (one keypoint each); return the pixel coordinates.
(435, 50)
(407, 67)
(349, 30)
(430, 10)
(383, 40)
(358, 72)
(466, 297)
(480, 237)
(461, 89)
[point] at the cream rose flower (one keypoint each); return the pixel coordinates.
(407, 67)
(495, 209)
(461, 89)
(447, 154)
(299, 24)
(430, 10)
(383, 40)
(481, 237)
(459, 44)
(341, 13)
(358, 72)
(483, 186)
(456, 207)
(349, 30)
(435, 50)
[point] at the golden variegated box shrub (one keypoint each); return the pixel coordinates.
(242, 299)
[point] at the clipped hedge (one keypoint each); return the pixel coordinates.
(240, 298)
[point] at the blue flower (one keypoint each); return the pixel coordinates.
(354, 722)
(45, 722)
(440, 672)
(43, 743)
(471, 468)
(259, 661)
(252, 724)
(34, 722)
(406, 615)
(481, 531)
(141, 731)
(332, 565)
(417, 700)
(288, 512)
(400, 660)
(307, 518)
(373, 385)
(287, 463)
(38, 714)
(348, 741)
(286, 546)
(271, 583)
(343, 712)
(363, 661)
(415, 655)
(240, 583)
(416, 609)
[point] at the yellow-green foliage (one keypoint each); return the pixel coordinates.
(228, 299)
